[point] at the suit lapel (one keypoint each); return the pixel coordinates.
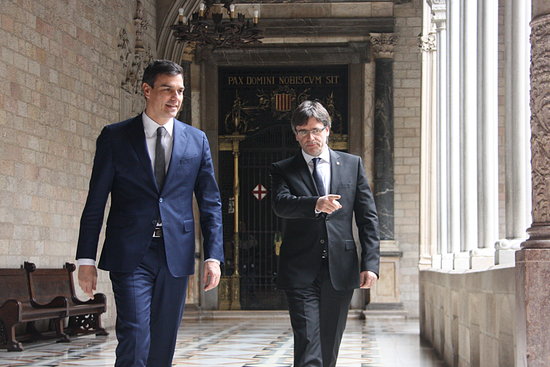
(137, 140)
(336, 173)
(302, 171)
(179, 146)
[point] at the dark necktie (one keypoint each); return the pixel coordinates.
(317, 177)
(160, 165)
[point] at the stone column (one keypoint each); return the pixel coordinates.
(428, 156)
(439, 11)
(454, 117)
(469, 133)
(518, 208)
(533, 260)
(483, 256)
(383, 45)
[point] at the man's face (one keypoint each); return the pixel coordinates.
(163, 101)
(312, 136)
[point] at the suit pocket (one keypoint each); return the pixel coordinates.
(349, 245)
(187, 225)
(188, 157)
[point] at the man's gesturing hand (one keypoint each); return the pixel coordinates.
(328, 204)
(87, 279)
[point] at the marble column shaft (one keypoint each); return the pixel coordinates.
(454, 117)
(383, 44)
(469, 125)
(488, 118)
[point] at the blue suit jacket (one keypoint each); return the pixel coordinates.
(122, 168)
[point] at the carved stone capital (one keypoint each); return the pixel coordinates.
(540, 120)
(439, 13)
(383, 45)
(427, 43)
(189, 52)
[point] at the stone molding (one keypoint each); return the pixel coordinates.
(383, 45)
(439, 13)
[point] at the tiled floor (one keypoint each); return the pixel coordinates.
(244, 342)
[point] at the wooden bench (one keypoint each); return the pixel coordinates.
(84, 316)
(16, 307)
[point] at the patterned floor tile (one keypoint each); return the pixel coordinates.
(244, 343)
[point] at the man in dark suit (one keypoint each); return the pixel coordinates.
(151, 165)
(317, 192)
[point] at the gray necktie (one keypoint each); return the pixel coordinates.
(160, 164)
(317, 177)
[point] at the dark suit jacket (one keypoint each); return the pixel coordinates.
(122, 167)
(294, 198)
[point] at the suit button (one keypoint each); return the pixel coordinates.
(322, 241)
(154, 222)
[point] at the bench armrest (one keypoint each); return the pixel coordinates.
(99, 298)
(11, 304)
(10, 312)
(58, 301)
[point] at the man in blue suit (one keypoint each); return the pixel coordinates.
(151, 165)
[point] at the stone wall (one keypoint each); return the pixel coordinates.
(61, 64)
(407, 92)
(469, 317)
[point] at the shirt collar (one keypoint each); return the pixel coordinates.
(150, 126)
(325, 155)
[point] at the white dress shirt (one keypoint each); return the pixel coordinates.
(150, 128)
(323, 166)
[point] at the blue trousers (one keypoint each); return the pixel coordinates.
(149, 303)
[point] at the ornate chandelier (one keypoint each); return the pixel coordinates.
(208, 27)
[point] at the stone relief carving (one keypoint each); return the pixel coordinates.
(134, 59)
(427, 43)
(383, 45)
(540, 118)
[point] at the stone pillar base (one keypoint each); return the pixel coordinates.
(482, 258)
(461, 261)
(447, 261)
(436, 261)
(505, 251)
(532, 305)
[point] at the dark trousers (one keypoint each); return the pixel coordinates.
(149, 303)
(318, 316)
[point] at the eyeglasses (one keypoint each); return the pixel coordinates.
(303, 133)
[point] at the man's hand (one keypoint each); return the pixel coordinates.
(211, 275)
(87, 279)
(367, 279)
(328, 204)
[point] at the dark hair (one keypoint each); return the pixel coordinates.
(307, 110)
(157, 67)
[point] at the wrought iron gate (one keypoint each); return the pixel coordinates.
(255, 110)
(259, 229)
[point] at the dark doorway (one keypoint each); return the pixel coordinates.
(255, 110)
